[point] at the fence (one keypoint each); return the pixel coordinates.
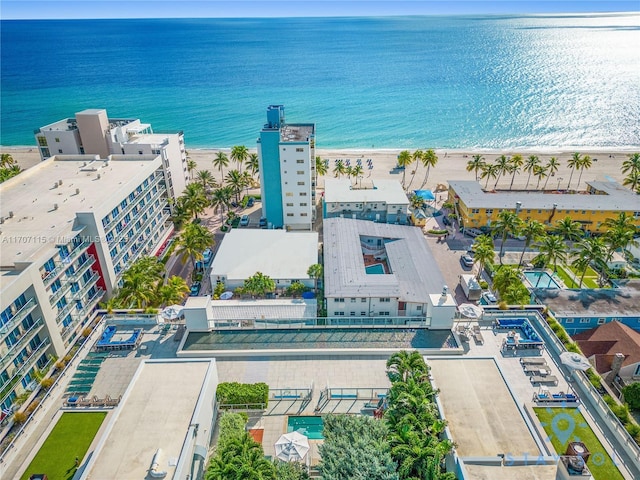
(323, 322)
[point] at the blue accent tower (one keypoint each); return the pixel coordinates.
(270, 177)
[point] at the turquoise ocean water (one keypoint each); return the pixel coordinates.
(441, 82)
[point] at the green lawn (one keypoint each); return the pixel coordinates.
(70, 438)
(566, 279)
(590, 278)
(600, 463)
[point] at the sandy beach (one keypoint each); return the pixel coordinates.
(451, 164)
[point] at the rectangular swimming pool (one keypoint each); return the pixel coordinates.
(309, 426)
(376, 269)
(541, 280)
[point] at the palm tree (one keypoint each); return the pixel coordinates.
(532, 230)
(508, 223)
(621, 230)
(191, 166)
(220, 161)
(631, 167)
(6, 160)
(173, 291)
(483, 252)
(514, 166)
(8, 172)
(476, 164)
(348, 171)
(193, 240)
(505, 277)
(530, 166)
(590, 250)
(429, 159)
(206, 179)
(405, 364)
(502, 162)
(358, 172)
(259, 284)
(339, 169)
(315, 271)
(568, 229)
(552, 249)
(489, 171)
(195, 199)
(552, 167)
(585, 163)
(321, 167)
(239, 154)
(540, 172)
(253, 164)
(221, 200)
(404, 160)
(236, 181)
(139, 283)
(416, 158)
(573, 163)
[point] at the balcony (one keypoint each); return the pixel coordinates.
(57, 295)
(20, 315)
(61, 265)
(81, 314)
(25, 338)
(133, 202)
(7, 386)
(75, 276)
(64, 311)
(133, 239)
(88, 284)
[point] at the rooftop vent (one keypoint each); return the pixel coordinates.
(59, 182)
(55, 206)
(445, 289)
(11, 214)
(77, 191)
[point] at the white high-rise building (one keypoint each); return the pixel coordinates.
(93, 132)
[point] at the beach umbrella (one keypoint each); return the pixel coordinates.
(226, 295)
(172, 312)
(292, 447)
(575, 361)
(470, 310)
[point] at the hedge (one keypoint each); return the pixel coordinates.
(234, 393)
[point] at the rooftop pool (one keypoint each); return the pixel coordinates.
(310, 427)
(319, 338)
(541, 280)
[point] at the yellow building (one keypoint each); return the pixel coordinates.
(602, 200)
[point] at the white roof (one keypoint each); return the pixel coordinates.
(415, 274)
(341, 190)
(264, 309)
(276, 253)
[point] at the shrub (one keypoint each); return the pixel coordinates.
(594, 378)
(632, 395)
(503, 305)
(46, 383)
(483, 285)
(32, 407)
(20, 417)
(60, 364)
(438, 232)
(86, 332)
(234, 393)
(572, 347)
(231, 426)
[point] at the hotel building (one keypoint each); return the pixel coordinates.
(93, 132)
(602, 200)
(287, 171)
(69, 227)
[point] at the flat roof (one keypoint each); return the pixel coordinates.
(276, 253)
(482, 416)
(415, 275)
(33, 223)
(264, 309)
(593, 302)
(341, 190)
(615, 197)
(155, 412)
(297, 132)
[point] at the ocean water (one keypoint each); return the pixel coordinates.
(410, 82)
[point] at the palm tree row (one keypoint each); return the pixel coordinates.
(426, 158)
(340, 169)
(413, 420)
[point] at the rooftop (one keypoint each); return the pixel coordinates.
(276, 253)
(155, 412)
(39, 206)
(614, 197)
(297, 132)
(595, 302)
(415, 272)
(341, 190)
(264, 309)
(606, 340)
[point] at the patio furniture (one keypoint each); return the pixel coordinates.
(541, 370)
(544, 379)
(533, 361)
(477, 336)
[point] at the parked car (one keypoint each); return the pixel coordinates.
(472, 232)
(489, 298)
(207, 255)
(251, 202)
(199, 266)
(263, 222)
(466, 260)
(244, 221)
(195, 289)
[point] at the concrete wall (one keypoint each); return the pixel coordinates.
(296, 182)
(93, 126)
(270, 182)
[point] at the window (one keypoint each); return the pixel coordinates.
(419, 307)
(353, 300)
(298, 149)
(384, 314)
(289, 194)
(385, 300)
(363, 314)
(303, 194)
(569, 320)
(637, 371)
(363, 300)
(289, 204)
(59, 150)
(300, 172)
(475, 210)
(300, 183)
(340, 314)
(303, 215)
(57, 140)
(289, 214)
(353, 314)
(601, 321)
(338, 300)
(585, 320)
(299, 161)
(303, 204)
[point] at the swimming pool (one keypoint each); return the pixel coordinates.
(541, 280)
(310, 427)
(376, 269)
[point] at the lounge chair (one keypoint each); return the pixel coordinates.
(546, 379)
(112, 402)
(535, 369)
(477, 336)
(533, 361)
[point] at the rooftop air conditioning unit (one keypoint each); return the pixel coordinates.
(59, 182)
(11, 214)
(55, 206)
(77, 191)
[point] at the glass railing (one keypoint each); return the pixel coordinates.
(25, 338)
(75, 276)
(119, 235)
(89, 306)
(91, 281)
(20, 315)
(64, 311)
(7, 386)
(61, 265)
(125, 249)
(133, 203)
(57, 295)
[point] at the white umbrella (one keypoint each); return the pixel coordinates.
(470, 310)
(172, 312)
(575, 361)
(226, 295)
(292, 447)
